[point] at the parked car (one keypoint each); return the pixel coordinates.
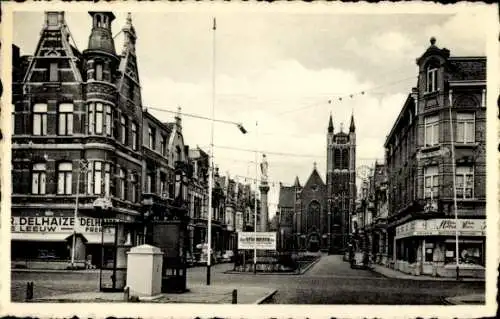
(227, 256)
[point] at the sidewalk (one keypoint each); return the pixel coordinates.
(391, 273)
(214, 294)
(474, 299)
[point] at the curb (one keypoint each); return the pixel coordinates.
(309, 266)
(266, 298)
(301, 272)
(56, 271)
(421, 278)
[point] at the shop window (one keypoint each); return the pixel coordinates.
(64, 177)
(470, 253)
(65, 119)
(38, 176)
(465, 181)
(40, 119)
(428, 252)
(431, 131)
(431, 182)
(465, 128)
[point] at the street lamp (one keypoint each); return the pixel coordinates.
(210, 161)
(82, 168)
(452, 140)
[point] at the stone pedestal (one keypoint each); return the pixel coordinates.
(144, 270)
(264, 211)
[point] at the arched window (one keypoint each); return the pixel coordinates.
(345, 159)
(98, 20)
(313, 215)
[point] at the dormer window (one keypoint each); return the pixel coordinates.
(53, 72)
(432, 77)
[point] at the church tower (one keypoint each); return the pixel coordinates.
(341, 184)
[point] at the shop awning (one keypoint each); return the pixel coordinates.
(45, 237)
(97, 238)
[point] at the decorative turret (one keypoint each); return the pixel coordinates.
(130, 35)
(330, 124)
(296, 183)
(352, 127)
(178, 120)
(101, 37)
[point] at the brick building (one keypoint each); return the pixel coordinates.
(80, 134)
(69, 137)
(421, 168)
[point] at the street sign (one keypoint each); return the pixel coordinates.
(257, 240)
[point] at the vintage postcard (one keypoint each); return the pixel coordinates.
(244, 160)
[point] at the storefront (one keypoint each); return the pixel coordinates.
(47, 241)
(428, 247)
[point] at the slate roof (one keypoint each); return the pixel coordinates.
(314, 178)
(287, 196)
(467, 68)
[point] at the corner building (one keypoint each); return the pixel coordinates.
(421, 168)
(77, 118)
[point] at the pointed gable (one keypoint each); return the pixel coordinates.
(314, 179)
(128, 83)
(54, 59)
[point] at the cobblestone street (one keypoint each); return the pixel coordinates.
(330, 281)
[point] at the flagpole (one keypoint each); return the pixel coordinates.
(255, 206)
(211, 166)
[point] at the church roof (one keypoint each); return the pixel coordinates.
(287, 196)
(314, 179)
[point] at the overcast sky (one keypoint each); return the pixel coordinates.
(269, 64)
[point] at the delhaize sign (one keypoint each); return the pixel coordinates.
(54, 224)
(257, 240)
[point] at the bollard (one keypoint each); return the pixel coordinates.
(126, 294)
(235, 297)
(29, 291)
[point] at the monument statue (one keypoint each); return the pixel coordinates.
(263, 168)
